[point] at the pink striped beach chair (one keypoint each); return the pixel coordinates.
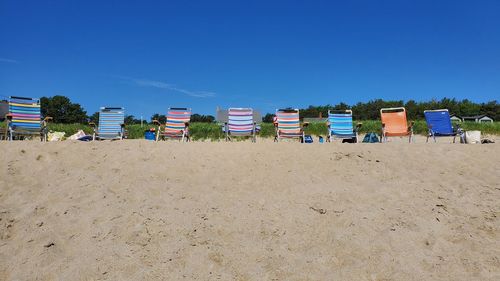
(240, 123)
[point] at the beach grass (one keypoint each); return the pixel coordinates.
(213, 131)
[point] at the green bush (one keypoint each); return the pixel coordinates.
(213, 131)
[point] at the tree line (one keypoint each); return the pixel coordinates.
(415, 110)
(62, 110)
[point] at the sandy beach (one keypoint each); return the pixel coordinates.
(139, 210)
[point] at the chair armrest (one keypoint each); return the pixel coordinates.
(410, 127)
(156, 122)
(92, 124)
(358, 126)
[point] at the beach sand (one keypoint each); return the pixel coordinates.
(139, 210)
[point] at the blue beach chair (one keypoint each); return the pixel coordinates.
(340, 126)
(111, 124)
(439, 125)
(240, 123)
(24, 119)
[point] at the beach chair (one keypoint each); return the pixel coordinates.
(24, 119)
(240, 123)
(340, 126)
(394, 123)
(111, 124)
(288, 125)
(439, 125)
(176, 125)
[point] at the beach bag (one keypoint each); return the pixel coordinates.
(472, 137)
(371, 138)
(308, 139)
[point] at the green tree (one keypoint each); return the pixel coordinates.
(62, 110)
(129, 119)
(268, 118)
(160, 117)
(94, 117)
(202, 118)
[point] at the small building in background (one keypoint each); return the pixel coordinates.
(318, 119)
(455, 118)
(478, 118)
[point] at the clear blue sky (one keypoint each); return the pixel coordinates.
(149, 55)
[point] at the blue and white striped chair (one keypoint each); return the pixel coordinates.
(111, 124)
(24, 119)
(240, 123)
(340, 125)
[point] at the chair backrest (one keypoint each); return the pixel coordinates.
(177, 117)
(25, 113)
(110, 122)
(340, 122)
(240, 121)
(288, 121)
(394, 120)
(439, 121)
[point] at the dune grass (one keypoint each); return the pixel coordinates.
(212, 131)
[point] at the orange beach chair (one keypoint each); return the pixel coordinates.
(394, 123)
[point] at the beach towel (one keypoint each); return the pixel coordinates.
(77, 135)
(371, 138)
(55, 136)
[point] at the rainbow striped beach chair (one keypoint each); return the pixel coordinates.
(340, 126)
(288, 125)
(176, 125)
(111, 124)
(24, 119)
(240, 123)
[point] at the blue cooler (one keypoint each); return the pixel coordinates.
(150, 135)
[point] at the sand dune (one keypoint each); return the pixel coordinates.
(137, 210)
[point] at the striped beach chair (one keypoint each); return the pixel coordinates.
(340, 125)
(111, 124)
(288, 125)
(24, 119)
(240, 123)
(395, 124)
(439, 125)
(176, 125)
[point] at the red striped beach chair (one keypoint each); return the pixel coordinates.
(288, 125)
(176, 125)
